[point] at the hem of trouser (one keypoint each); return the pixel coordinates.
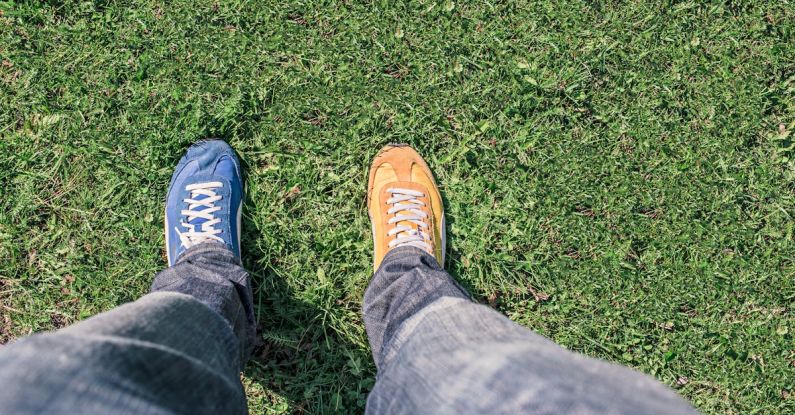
(402, 252)
(435, 272)
(409, 251)
(205, 247)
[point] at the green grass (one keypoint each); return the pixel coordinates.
(618, 176)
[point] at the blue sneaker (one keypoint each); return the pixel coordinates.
(204, 200)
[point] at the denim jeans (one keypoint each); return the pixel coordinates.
(438, 352)
(180, 349)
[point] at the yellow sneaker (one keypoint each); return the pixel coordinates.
(404, 204)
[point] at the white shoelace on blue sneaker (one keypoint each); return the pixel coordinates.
(407, 208)
(208, 231)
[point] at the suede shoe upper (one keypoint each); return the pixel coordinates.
(404, 204)
(204, 199)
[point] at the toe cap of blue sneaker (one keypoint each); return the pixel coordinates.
(211, 157)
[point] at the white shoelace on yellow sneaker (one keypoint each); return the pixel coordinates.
(208, 231)
(408, 208)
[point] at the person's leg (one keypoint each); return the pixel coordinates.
(179, 349)
(438, 352)
(213, 274)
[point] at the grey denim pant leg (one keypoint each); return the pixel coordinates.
(179, 349)
(438, 352)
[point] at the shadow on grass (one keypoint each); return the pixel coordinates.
(453, 258)
(299, 356)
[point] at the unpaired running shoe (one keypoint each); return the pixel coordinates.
(204, 201)
(404, 204)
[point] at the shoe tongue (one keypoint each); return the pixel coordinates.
(407, 223)
(410, 224)
(225, 168)
(197, 222)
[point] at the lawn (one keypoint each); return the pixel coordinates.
(618, 176)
